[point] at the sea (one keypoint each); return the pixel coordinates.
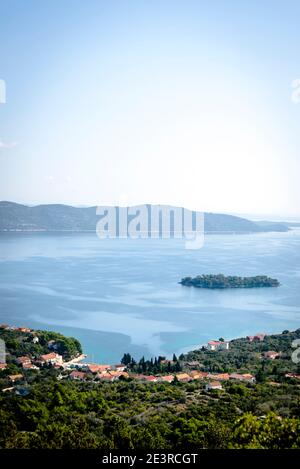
(123, 295)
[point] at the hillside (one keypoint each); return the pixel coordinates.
(57, 217)
(49, 407)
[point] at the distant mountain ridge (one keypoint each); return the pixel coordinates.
(59, 217)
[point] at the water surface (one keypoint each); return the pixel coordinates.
(121, 296)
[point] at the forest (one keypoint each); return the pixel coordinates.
(127, 414)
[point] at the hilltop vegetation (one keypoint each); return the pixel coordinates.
(20, 343)
(220, 281)
(58, 217)
(149, 416)
(247, 356)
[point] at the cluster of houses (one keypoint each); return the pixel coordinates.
(14, 328)
(214, 345)
(97, 372)
(52, 358)
(78, 371)
(110, 373)
(113, 373)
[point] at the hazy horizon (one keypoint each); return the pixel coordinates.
(251, 216)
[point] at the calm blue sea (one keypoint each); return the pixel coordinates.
(121, 296)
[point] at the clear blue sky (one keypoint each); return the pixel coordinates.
(181, 102)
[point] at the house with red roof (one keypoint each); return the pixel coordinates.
(183, 377)
(108, 377)
(51, 358)
(213, 385)
(220, 376)
(95, 368)
(167, 378)
(242, 377)
(151, 378)
(29, 366)
(25, 360)
(214, 345)
(77, 375)
(23, 329)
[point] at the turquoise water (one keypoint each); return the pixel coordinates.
(121, 296)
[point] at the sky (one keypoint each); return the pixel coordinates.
(189, 103)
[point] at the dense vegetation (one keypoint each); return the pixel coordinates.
(221, 281)
(59, 413)
(19, 343)
(155, 366)
(148, 416)
(247, 357)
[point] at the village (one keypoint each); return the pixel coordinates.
(77, 370)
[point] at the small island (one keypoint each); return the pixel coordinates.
(222, 281)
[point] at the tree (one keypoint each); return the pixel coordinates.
(126, 359)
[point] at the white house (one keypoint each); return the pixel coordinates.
(120, 367)
(218, 345)
(51, 358)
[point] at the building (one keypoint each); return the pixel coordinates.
(94, 368)
(23, 360)
(260, 336)
(167, 378)
(108, 377)
(23, 329)
(292, 375)
(213, 385)
(203, 374)
(271, 354)
(194, 364)
(14, 378)
(151, 378)
(51, 359)
(183, 377)
(220, 376)
(243, 377)
(29, 366)
(214, 345)
(120, 367)
(139, 377)
(35, 340)
(248, 377)
(195, 374)
(77, 375)
(117, 373)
